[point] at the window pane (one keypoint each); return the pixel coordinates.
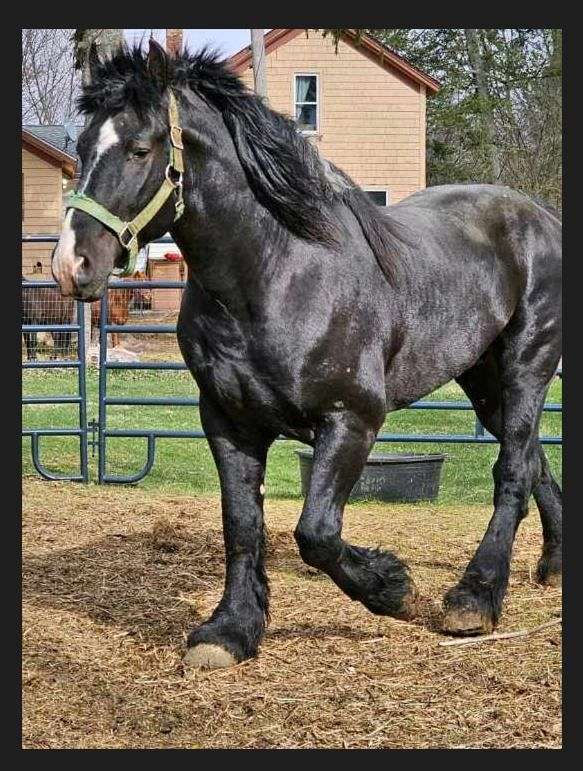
(306, 117)
(378, 196)
(306, 88)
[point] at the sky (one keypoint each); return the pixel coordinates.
(227, 41)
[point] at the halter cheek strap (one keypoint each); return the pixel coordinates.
(127, 232)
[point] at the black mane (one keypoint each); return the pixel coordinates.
(286, 173)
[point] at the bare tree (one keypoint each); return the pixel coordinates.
(478, 65)
(49, 82)
(107, 42)
(526, 115)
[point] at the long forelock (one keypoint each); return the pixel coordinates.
(120, 81)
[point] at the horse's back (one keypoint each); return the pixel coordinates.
(470, 227)
(484, 253)
(495, 210)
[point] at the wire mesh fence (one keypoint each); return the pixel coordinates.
(130, 309)
(44, 306)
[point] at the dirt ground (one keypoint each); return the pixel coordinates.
(114, 577)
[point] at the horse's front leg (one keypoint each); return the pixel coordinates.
(378, 579)
(234, 631)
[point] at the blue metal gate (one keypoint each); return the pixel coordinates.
(479, 435)
(80, 398)
(105, 366)
(87, 431)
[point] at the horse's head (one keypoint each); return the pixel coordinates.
(127, 157)
(243, 164)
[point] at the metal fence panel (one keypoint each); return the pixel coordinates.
(36, 309)
(105, 400)
(479, 436)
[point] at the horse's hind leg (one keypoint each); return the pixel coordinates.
(378, 579)
(482, 385)
(549, 499)
(508, 396)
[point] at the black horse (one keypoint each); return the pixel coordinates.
(46, 305)
(311, 313)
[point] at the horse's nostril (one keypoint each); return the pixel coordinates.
(84, 272)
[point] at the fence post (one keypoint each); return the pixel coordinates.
(102, 409)
(82, 386)
(479, 429)
(86, 332)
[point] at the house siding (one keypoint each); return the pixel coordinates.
(42, 196)
(372, 119)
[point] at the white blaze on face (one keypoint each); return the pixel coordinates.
(108, 137)
(65, 262)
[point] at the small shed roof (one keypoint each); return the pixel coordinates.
(52, 144)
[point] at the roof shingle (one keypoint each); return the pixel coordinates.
(56, 136)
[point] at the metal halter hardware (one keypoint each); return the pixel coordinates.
(127, 232)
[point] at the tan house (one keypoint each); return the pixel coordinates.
(364, 106)
(47, 170)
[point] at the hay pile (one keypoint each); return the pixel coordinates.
(113, 578)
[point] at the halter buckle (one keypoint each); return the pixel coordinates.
(133, 235)
(176, 137)
(168, 172)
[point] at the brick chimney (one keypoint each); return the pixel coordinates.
(173, 41)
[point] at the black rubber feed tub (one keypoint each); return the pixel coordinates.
(396, 478)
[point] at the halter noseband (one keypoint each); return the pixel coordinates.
(127, 232)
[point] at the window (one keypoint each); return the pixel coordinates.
(380, 197)
(306, 102)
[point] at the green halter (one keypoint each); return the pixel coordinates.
(127, 232)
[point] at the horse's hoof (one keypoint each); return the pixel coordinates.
(550, 579)
(408, 609)
(378, 579)
(548, 572)
(472, 607)
(467, 622)
(207, 656)
(554, 579)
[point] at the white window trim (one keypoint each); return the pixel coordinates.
(376, 189)
(294, 103)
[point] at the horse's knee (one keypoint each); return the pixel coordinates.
(516, 475)
(319, 550)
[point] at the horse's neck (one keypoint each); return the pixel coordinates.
(228, 244)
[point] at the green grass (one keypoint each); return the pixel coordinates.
(187, 466)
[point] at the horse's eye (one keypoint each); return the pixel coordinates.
(141, 152)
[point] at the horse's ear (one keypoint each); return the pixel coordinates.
(158, 63)
(93, 62)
